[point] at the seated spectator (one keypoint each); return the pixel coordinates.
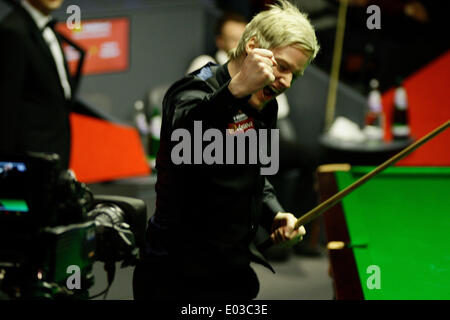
(228, 31)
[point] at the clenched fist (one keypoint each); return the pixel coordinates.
(255, 73)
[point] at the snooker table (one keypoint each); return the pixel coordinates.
(389, 238)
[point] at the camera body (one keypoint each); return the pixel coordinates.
(50, 223)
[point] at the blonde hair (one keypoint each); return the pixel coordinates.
(282, 25)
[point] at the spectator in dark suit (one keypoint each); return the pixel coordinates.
(36, 88)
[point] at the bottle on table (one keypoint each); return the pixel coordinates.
(375, 120)
(140, 120)
(400, 120)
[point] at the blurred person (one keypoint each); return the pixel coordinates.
(35, 85)
(200, 239)
(228, 31)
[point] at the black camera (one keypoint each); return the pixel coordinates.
(52, 230)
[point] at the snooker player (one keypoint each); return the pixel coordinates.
(200, 240)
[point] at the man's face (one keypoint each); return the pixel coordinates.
(291, 61)
(46, 6)
(230, 36)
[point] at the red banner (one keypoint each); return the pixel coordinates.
(105, 41)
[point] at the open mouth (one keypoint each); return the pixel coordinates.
(269, 92)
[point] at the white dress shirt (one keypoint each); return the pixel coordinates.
(49, 36)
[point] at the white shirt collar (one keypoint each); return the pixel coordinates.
(39, 18)
(221, 56)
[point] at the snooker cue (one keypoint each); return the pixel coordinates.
(330, 202)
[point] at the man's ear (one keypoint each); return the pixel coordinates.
(250, 45)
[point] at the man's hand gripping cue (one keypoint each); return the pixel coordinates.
(255, 73)
(283, 229)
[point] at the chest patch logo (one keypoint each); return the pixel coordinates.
(241, 123)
